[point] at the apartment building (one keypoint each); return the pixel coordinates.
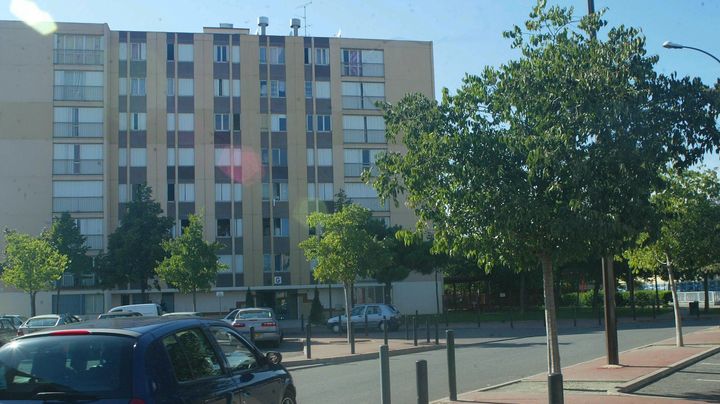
(251, 129)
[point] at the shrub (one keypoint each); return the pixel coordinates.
(316, 310)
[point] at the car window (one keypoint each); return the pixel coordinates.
(357, 311)
(6, 324)
(98, 365)
(191, 355)
(373, 310)
(238, 355)
(42, 322)
(255, 314)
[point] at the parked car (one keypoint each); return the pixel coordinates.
(143, 360)
(263, 321)
(146, 309)
(183, 314)
(46, 321)
(8, 330)
(119, 314)
(16, 319)
(378, 316)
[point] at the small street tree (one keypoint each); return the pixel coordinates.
(135, 247)
(192, 263)
(64, 235)
(344, 250)
(31, 264)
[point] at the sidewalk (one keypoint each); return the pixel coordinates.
(594, 382)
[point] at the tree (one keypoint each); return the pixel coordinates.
(344, 250)
(31, 264)
(192, 263)
(64, 235)
(249, 299)
(686, 234)
(316, 310)
(135, 247)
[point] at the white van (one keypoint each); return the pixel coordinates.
(146, 309)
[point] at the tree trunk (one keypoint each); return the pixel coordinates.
(551, 317)
(596, 290)
(32, 304)
(676, 304)
(437, 294)
(631, 289)
(657, 294)
(707, 293)
(348, 308)
(57, 300)
(387, 297)
(194, 293)
(522, 293)
(611, 341)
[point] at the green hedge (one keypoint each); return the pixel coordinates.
(643, 298)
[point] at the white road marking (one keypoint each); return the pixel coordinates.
(710, 364)
(708, 380)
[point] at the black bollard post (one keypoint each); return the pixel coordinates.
(452, 382)
(427, 330)
(421, 378)
(302, 322)
(308, 342)
(437, 332)
(407, 328)
(252, 335)
(414, 330)
(385, 330)
(352, 338)
(367, 330)
(512, 325)
(477, 317)
(384, 375)
(555, 388)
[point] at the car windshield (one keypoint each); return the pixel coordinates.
(357, 311)
(97, 365)
(42, 322)
(255, 314)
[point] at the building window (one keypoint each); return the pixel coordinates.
(359, 160)
(74, 85)
(77, 196)
(122, 86)
(362, 62)
(236, 54)
(138, 51)
(364, 129)
(281, 227)
(186, 157)
(122, 51)
(122, 157)
(365, 196)
(308, 89)
(186, 122)
(324, 191)
(138, 157)
(222, 87)
(138, 121)
(282, 263)
(236, 122)
(221, 53)
(171, 192)
(309, 123)
(222, 192)
(308, 56)
(356, 95)
(222, 122)
(263, 55)
(238, 227)
(322, 89)
(323, 123)
(170, 87)
(137, 86)
(77, 122)
(72, 49)
(227, 261)
(277, 55)
(186, 192)
(223, 228)
(277, 88)
(324, 157)
(185, 87)
(267, 261)
(279, 157)
(322, 56)
(223, 156)
(171, 51)
(185, 53)
(279, 191)
(92, 229)
(278, 123)
(83, 159)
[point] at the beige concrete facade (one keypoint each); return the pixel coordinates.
(153, 69)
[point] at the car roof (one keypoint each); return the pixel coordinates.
(131, 326)
(45, 316)
(256, 309)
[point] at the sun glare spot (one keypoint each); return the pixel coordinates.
(33, 16)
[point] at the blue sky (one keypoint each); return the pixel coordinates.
(466, 34)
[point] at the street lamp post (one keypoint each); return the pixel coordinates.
(672, 45)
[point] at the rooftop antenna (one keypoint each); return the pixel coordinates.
(304, 6)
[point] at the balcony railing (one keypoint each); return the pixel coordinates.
(356, 169)
(364, 136)
(77, 167)
(78, 57)
(373, 204)
(94, 241)
(78, 93)
(363, 69)
(360, 102)
(92, 204)
(79, 129)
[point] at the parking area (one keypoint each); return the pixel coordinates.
(700, 381)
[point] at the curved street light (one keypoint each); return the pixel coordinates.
(672, 45)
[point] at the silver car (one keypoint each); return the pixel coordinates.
(262, 320)
(378, 316)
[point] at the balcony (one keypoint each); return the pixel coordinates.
(78, 93)
(91, 204)
(361, 102)
(94, 241)
(78, 129)
(373, 204)
(77, 167)
(78, 57)
(364, 136)
(363, 69)
(356, 169)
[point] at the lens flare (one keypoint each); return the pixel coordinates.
(29, 13)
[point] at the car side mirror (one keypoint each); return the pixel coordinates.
(274, 357)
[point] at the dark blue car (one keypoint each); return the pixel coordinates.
(142, 361)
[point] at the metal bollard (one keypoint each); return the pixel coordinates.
(421, 377)
(477, 317)
(384, 375)
(427, 330)
(352, 338)
(308, 342)
(437, 332)
(252, 335)
(415, 330)
(366, 325)
(452, 381)
(511, 321)
(302, 322)
(555, 388)
(385, 330)
(407, 328)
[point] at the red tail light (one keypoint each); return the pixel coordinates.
(269, 324)
(71, 332)
(239, 325)
(19, 333)
(137, 401)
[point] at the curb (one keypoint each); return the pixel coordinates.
(643, 381)
(360, 357)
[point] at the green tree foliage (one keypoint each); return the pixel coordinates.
(687, 234)
(344, 250)
(64, 235)
(512, 168)
(249, 299)
(135, 247)
(316, 309)
(31, 264)
(192, 263)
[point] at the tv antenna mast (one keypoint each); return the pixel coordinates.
(304, 7)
